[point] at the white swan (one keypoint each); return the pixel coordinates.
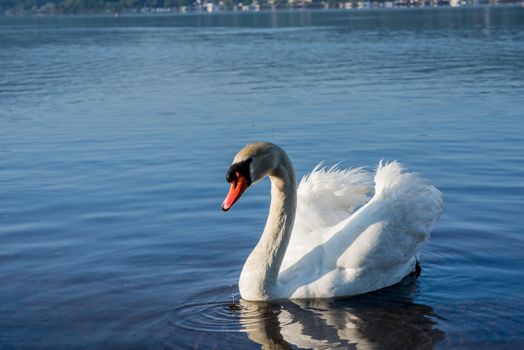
(328, 238)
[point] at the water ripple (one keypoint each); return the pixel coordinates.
(115, 134)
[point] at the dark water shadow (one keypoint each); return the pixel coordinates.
(387, 319)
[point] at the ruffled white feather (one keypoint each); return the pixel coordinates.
(346, 242)
(328, 195)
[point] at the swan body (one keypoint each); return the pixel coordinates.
(339, 233)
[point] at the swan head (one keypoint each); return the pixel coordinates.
(249, 166)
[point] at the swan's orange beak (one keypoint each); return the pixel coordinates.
(238, 186)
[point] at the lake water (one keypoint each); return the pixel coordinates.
(116, 133)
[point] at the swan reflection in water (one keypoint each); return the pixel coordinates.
(387, 319)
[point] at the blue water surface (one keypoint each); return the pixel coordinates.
(116, 133)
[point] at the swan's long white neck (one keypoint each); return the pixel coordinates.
(258, 278)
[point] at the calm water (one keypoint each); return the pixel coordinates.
(115, 135)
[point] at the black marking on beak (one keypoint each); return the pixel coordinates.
(241, 168)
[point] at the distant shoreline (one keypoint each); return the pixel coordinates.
(209, 8)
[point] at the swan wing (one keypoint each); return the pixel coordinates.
(395, 223)
(387, 235)
(373, 248)
(327, 196)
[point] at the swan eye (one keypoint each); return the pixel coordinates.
(239, 169)
(231, 176)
